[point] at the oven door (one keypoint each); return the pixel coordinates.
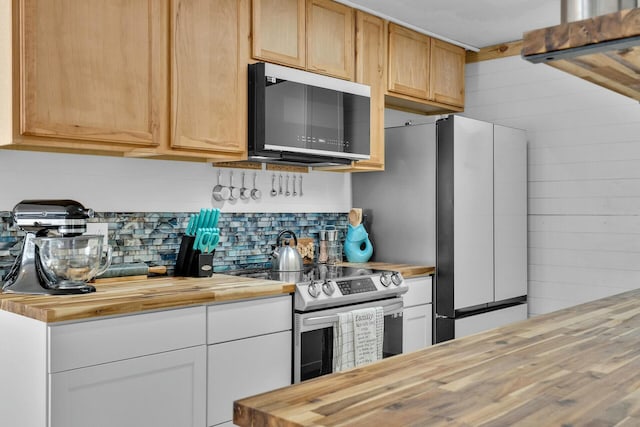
(313, 337)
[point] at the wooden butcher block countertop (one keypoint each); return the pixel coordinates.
(407, 271)
(127, 297)
(574, 367)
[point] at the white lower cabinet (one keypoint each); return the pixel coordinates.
(246, 367)
(141, 370)
(249, 352)
(416, 328)
(417, 317)
(170, 368)
(161, 390)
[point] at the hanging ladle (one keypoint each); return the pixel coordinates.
(273, 193)
(287, 193)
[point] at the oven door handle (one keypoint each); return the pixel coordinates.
(395, 308)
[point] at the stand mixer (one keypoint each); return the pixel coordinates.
(56, 258)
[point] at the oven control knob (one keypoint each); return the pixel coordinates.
(385, 279)
(329, 287)
(397, 279)
(314, 289)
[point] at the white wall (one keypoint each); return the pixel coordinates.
(109, 184)
(584, 177)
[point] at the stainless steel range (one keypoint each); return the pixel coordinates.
(324, 291)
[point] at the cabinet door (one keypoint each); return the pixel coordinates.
(209, 77)
(94, 70)
(447, 73)
(510, 211)
(330, 38)
(409, 57)
(246, 367)
(166, 389)
(278, 31)
(371, 70)
(416, 327)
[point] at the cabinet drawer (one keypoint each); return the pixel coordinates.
(493, 319)
(77, 345)
(236, 320)
(419, 291)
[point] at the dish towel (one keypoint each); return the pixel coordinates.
(357, 338)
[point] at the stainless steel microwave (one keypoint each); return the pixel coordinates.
(298, 117)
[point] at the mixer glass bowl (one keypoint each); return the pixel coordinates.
(72, 260)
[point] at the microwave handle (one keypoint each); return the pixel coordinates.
(395, 308)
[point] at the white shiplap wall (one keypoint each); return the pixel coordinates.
(584, 177)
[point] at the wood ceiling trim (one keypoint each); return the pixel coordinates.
(502, 50)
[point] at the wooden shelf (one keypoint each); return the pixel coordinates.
(604, 50)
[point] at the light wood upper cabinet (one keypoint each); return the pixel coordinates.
(447, 73)
(371, 69)
(409, 62)
(209, 44)
(330, 38)
(425, 74)
(168, 79)
(93, 71)
(316, 35)
(279, 31)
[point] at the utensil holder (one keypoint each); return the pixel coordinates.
(201, 264)
(192, 262)
(184, 254)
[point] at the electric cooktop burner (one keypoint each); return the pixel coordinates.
(320, 286)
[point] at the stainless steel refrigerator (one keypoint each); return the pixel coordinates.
(453, 195)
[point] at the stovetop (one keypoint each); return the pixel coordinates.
(322, 286)
(309, 273)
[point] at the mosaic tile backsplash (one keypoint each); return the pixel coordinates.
(154, 238)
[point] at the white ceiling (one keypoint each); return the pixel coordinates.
(474, 23)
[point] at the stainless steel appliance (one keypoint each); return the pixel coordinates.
(56, 258)
(323, 291)
(305, 118)
(461, 185)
